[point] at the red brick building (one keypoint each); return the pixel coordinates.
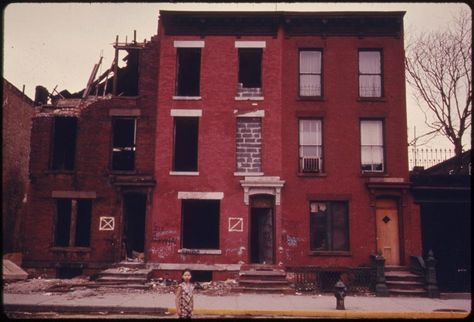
(273, 137)
(281, 138)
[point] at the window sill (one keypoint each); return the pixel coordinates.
(310, 98)
(199, 251)
(371, 99)
(373, 174)
(309, 174)
(328, 253)
(187, 98)
(255, 98)
(248, 174)
(60, 171)
(184, 173)
(70, 249)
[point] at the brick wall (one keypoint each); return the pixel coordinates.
(17, 110)
(248, 144)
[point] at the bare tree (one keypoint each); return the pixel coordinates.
(438, 68)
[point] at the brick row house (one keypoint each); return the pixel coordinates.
(261, 138)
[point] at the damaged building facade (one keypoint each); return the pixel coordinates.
(92, 167)
(260, 138)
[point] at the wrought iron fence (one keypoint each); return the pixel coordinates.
(322, 280)
(427, 157)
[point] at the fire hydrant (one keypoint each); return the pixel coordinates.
(340, 294)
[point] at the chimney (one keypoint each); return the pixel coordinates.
(41, 95)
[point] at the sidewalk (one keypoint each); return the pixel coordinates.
(245, 304)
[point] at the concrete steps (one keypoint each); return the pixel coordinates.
(401, 282)
(262, 279)
(125, 275)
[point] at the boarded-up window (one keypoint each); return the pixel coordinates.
(188, 72)
(200, 224)
(329, 226)
(123, 151)
(185, 144)
(64, 143)
(73, 222)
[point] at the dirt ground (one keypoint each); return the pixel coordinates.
(81, 286)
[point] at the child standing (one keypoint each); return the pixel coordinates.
(184, 296)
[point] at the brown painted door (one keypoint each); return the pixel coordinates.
(387, 231)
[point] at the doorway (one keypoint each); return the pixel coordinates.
(262, 230)
(134, 224)
(387, 231)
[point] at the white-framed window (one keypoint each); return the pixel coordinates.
(310, 145)
(370, 73)
(310, 75)
(372, 146)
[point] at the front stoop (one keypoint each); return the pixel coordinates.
(262, 279)
(125, 275)
(401, 282)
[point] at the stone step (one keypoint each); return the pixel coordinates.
(115, 285)
(411, 292)
(126, 272)
(121, 279)
(404, 278)
(130, 264)
(262, 283)
(260, 267)
(263, 273)
(405, 285)
(396, 268)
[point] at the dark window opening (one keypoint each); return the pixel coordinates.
(134, 223)
(185, 144)
(189, 72)
(63, 222)
(329, 226)
(64, 143)
(261, 238)
(68, 272)
(202, 276)
(123, 152)
(250, 72)
(83, 223)
(200, 224)
(73, 217)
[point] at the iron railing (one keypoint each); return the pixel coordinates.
(358, 280)
(427, 157)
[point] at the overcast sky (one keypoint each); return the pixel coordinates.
(53, 44)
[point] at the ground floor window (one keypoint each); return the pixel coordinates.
(200, 224)
(73, 222)
(329, 226)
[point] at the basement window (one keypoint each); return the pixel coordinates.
(185, 143)
(123, 151)
(73, 222)
(329, 226)
(250, 72)
(188, 71)
(200, 224)
(64, 143)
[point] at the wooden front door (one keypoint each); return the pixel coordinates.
(387, 231)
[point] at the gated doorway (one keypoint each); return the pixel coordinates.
(134, 210)
(262, 229)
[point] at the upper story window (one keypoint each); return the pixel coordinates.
(250, 72)
(185, 144)
(371, 145)
(311, 145)
(310, 73)
(123, 150)
(64, 143)
(370, 73)
(188, 72)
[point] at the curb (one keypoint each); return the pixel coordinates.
(331, 314)
(348, 314)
